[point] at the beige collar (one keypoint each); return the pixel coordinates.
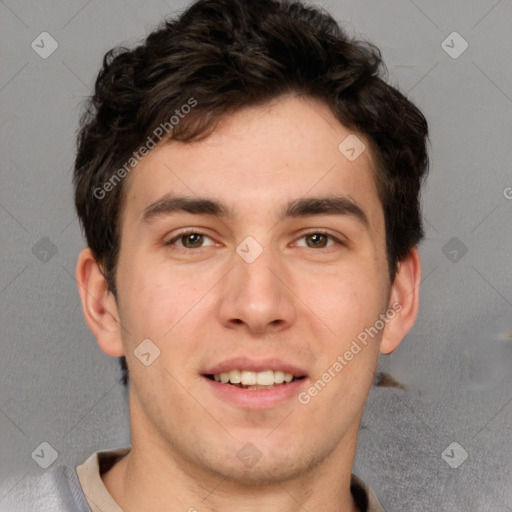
(89, 475)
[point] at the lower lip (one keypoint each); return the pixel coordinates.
(256, 398)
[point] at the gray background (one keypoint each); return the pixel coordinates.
(58, 387)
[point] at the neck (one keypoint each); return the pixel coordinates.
(155, 475)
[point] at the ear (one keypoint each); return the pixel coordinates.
(403, 302)
(98, 304)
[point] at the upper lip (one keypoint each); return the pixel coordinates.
(255, 365)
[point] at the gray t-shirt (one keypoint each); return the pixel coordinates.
(56, 490)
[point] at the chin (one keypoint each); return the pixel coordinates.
(270, 465)
(263, 473)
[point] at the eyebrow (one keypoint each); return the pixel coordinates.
(303, 207)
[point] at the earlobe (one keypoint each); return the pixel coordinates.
(404, 302)
(98, 304)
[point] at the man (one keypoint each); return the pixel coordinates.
(249, 191)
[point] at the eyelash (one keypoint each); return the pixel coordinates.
(197, 232)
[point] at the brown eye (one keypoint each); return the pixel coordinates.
(192, 240)
(317, 240)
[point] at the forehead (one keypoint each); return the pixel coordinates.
(258, 160)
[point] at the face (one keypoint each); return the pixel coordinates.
(254, 280)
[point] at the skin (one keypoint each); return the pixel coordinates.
(299, 302)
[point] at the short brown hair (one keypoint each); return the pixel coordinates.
(229, 54)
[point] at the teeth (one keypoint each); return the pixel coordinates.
(265, 378)
(278, 377)
(249, 378)
(235, 377)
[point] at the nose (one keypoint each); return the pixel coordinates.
(257, 297)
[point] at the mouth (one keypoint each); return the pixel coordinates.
(255, 380)
(254, 384)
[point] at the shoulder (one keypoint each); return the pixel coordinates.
(56, 490)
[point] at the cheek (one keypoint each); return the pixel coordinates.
(145, 297)
(350, 306)
(346, 358)
(347, 301)
(160, 301)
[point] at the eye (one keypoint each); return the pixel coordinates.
(319, 240)
(189, 240)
